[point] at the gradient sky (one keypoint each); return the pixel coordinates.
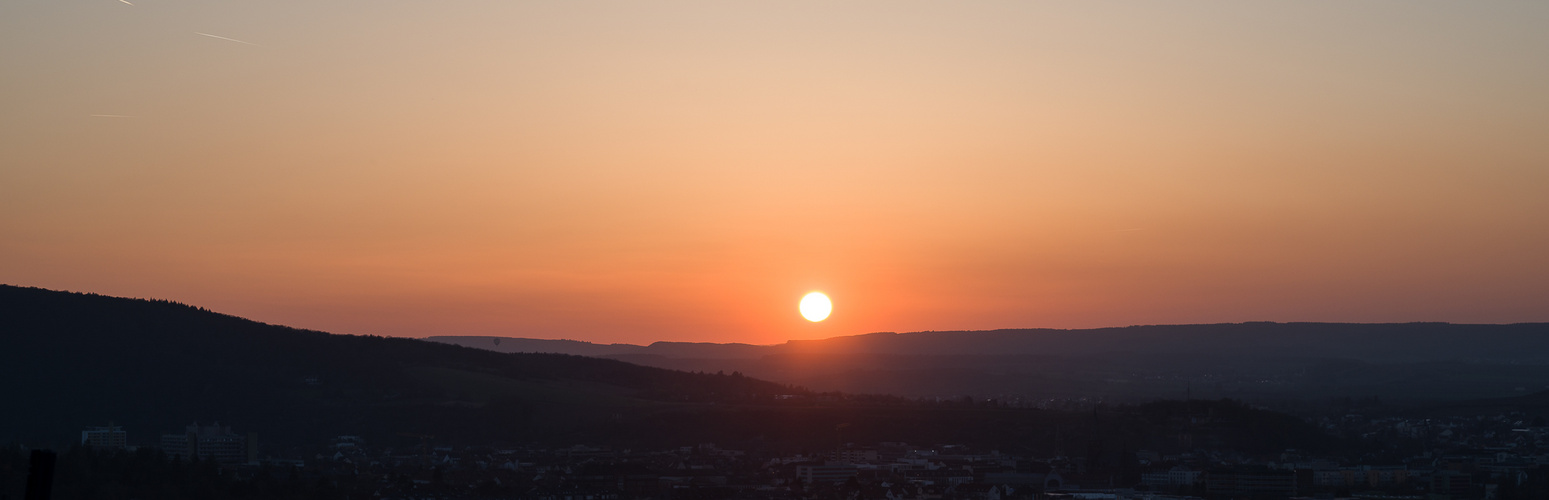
(641, 171)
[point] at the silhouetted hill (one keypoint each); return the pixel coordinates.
(69, 360)
(1256, 361)
(705, 350)
(521, 345)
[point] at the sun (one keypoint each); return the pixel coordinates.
(815, 307)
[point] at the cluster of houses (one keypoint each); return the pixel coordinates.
(1475, 457)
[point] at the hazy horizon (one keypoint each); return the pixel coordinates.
(645, 343)
(686, 171)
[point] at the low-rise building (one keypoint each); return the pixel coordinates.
(1176, 476)
(1251, 483)
(212, 442)
(829, 473)
(111, 437)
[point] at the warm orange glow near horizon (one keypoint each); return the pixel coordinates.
(633, 172)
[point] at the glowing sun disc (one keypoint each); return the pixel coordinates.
(815, 307)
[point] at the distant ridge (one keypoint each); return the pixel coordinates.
(524, 345)
(1253, 361)
(583, 348)
(1372, 342)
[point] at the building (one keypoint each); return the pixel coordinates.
(111, 437)
(1174, 477)
(1451, 484)
(212, 442)
(1250, 483)
(1337, 478)
(854, 455)
(940, 476)
(1381, 476)
(1043, 480)
(832, 473)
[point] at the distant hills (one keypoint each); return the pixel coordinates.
(72, 360)
(1524, 343)
(1253, 361)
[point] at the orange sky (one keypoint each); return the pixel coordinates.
(640, 171)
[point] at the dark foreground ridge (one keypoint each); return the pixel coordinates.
(68, 360)
(73, 360)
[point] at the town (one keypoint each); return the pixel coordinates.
(1460, 457)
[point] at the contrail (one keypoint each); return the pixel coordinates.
(126, 1)
(224, 38)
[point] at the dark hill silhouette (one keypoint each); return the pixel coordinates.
(68, 360)
(1256, 361)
